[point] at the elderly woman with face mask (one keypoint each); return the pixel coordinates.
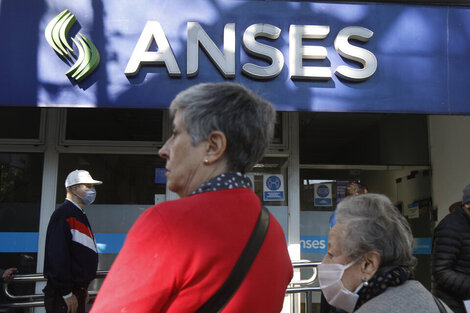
(369, 264)
(179, 253)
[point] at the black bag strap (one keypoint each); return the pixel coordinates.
(218, 301)
(441, 307)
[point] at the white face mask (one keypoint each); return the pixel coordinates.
(333, 289)
(90, 196)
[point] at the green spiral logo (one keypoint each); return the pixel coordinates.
(88, 56)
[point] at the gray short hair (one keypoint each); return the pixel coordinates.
(246, 120)
(372, 223)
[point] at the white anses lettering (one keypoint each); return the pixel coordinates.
(313, 244)
(348, 51)
(298, 52)
(225, 60)
(152, 32)
(252, 47)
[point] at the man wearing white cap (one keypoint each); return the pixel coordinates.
(71, 257)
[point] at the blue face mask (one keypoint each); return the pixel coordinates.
(90, 195)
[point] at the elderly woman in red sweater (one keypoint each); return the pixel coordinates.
(179, 253)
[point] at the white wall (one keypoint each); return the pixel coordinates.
(383, 181)
(449, 148)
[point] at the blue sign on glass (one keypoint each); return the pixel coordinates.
(273, 183)
(323, 202)
(323, 191)
(274, 195)
(323, 196)
(160, 177)
(273, 190)
(422, 245)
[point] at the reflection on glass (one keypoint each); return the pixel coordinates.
(114, 124)
(19, 123)
(20, 196)
(130, 184)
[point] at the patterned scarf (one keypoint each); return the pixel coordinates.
(225, 181)
(380, 282)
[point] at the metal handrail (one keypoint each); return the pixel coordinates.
(305, 286)
(305, 264)
(34, 300)
(24, 279)
(37, 300)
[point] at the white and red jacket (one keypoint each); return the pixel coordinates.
(71, 255)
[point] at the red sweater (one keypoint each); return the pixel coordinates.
(178, 254)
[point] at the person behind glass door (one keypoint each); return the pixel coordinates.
(455, 206)
(178, 253)
(353, 189)
(71, 257)
(369, 265)
(451, 256)
(8, 274)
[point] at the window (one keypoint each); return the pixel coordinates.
(130, 186)
(127, 179)
(20, 197)
(114, 124)
(372, 139)
(280, 141)
(20, 123)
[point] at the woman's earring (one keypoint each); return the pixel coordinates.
(206, 161)
(365, 280)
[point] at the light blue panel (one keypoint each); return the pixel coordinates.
(18, 242)
(280, 213)
(315, 223)
(11, 242)
(423, 245)
(160, 177)
(110, 243)
(314, 230)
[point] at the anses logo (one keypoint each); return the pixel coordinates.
(88, 56)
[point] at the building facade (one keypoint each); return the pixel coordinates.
(370, 92)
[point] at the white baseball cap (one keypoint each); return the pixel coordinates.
(80, 177)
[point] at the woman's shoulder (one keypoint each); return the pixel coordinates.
(212, 197)
(410, 296)
(202, 204)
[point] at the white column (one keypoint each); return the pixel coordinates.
(49, 188)
(293, 304)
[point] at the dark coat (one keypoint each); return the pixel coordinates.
(451, 260)
(71, 257)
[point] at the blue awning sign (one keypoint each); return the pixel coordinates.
(301, 56)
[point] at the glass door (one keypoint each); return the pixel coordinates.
(271, 186)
